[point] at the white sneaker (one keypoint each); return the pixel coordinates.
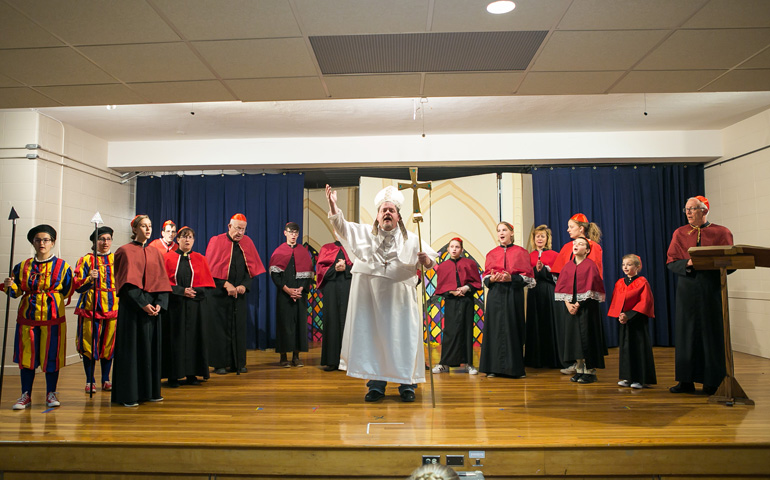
(637, 385)
(623, 383)
(51, 400)
(22, 402)
(471, 369)
(440, 369)
(571, 370)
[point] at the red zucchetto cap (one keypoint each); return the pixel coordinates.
(579, 217)
(167, 223)
(457, 239)
(239, 216)
(704, 200)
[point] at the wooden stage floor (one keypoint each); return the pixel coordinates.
(303, 422)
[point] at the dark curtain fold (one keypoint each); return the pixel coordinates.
(638, 208)
(206, 203)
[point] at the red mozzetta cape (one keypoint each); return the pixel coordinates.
(589, 281)
(548, 257)
(303, 263)
(512, 259)
(327, 257)
(448, 271)
(565, 257)
(140, 267)
(219, 251)
(161, 246)
(636, 296)
(687, 236)
(201, 275)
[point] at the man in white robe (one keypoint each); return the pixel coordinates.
(383, 338)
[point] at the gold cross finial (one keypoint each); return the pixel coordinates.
(415, 185)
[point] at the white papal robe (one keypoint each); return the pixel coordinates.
(383, 337)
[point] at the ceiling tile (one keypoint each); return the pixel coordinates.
(9, 82)
(732, 13)
(24, 98)
(51, 66)
(267, 89)
(285, 57)
(113, 94)
(567, 83)
(596, 50)
(373, 86)
(742, 81)
(706, 49)
(178, 92)
(472, 16)
(150, 62)
(665, 81)
(349, 17)
(627, 14)
(99, 22)
(471, 84)
(16, 31)
(762, 60)
(207, 20)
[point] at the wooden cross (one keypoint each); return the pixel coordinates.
(415, 185)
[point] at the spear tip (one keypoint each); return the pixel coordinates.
(13, 215)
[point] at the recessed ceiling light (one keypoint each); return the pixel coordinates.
(111, 107)
(500, 7)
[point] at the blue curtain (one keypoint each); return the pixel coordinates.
(637, 208)
(206, 203)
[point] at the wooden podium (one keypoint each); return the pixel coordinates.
(724, 258)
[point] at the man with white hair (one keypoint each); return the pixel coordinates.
(699, 335)
(383, 340)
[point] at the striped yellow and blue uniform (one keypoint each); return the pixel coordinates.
(106, 306)
(41, 333)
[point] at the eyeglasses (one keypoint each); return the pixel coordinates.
(691, 209)
(42, 240)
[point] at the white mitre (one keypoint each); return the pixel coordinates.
(389, 194)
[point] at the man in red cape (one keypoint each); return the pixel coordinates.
(291, 268)
(166, 242)
(234, 261)
(699, 335)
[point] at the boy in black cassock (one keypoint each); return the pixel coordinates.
(632, 304)
(291, 269)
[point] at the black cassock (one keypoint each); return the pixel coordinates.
(504, 328)
(336, 291)
(636, 363)
(290, 315)
(699, 332)
(184, 345)
(542, 340)
(136, 371)
(228, 316)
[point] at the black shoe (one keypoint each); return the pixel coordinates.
(683, 387)
(173, 384)
(407, 396)
(374, 395)
(709, 389)
(193, 381)
(243, 370)
(587, 378)
(575, 377)
(220, 371)
(331, 368)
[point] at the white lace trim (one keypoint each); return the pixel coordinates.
(304, 275)
(530, 281)
(276, 269)
(567, 297)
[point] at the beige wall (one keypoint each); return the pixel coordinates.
(65, 198)
(316, 229)
(739, 195)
